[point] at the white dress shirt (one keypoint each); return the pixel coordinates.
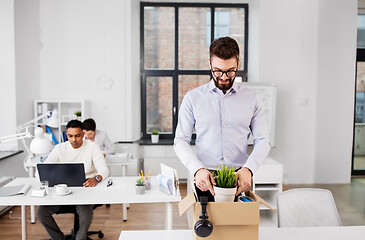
(102, 140)
(223, 124)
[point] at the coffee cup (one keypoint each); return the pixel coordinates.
(61, 188)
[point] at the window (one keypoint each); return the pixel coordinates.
(358, 156)
(175, 40)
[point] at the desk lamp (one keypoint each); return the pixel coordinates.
(39, 145)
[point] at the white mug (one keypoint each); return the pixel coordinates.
(61, 188)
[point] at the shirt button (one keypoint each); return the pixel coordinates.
(224, 125)
(225, 140)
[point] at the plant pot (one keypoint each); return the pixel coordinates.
(154, 138)
(140, 190)
(224, 194)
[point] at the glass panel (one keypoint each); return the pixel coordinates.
(189, 82)
(231, 22)
(159, 104)
(194, 38)
(159, 37)
(359, 146)
(361, 31)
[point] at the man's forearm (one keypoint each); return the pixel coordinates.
(258, 155)
(187, 156)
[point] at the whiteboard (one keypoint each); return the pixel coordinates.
(267, 93)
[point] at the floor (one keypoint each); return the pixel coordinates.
(349, 198)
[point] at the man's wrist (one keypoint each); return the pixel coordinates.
(197, 171)
(98, 178)
(249, 170)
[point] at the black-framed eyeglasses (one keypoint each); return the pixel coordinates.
(219, 73)
(229, 73)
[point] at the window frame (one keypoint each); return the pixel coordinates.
(176, 72)
(360, 57)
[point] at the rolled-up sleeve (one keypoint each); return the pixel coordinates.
(182, 140)
(261, 140)
(100, 162)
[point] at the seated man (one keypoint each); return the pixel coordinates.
(97, 136)
(75, 150)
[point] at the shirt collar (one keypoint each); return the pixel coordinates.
(213, 88)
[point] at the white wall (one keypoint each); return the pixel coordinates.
(312, 58)
(7, 73)
(27, 67)
(335, 108)
(79, 38)
(307, 47)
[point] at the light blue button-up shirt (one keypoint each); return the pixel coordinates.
(223, 124)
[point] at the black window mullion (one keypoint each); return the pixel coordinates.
(212, 19)
(143, 76)
(245, 53)
(175, 85)
(360, 57)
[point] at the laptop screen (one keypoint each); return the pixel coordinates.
(72, 174)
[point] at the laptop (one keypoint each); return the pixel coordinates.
(72, 174)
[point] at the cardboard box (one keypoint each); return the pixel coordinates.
(231, 220)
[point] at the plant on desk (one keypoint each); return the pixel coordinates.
(226, 182)
(140, 186)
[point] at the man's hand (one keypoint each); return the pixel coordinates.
(244, 180)
(204, 180)
(90, 182)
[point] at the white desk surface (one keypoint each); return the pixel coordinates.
(309, 233)
(122, 191)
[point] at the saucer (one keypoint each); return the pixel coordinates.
(63, 194)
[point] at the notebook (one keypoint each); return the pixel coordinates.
(72, 174)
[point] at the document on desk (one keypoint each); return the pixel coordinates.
(168, 180)
(14, 190)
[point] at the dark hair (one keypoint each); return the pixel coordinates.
(224, 48)
(74, 124)
(89, 124)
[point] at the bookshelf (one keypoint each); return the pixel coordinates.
(268, 184)
(65, 109)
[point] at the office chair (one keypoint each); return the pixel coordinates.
(71, 209)
(307, 207)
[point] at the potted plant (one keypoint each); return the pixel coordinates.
(140, 186)
(226, 182)
(78, 115)
(154, 136)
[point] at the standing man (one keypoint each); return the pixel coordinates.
(75, 150)
(97, 136)
(223, 114)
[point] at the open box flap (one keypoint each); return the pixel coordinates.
(259, 199)
(186, 203)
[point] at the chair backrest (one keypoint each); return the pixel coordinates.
(307, 207)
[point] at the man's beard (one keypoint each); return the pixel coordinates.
(224, 87)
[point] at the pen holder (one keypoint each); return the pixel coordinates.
(140, 190)
(148, 183)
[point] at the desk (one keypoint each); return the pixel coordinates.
(122, 191)
(265, 233)
(118, 159)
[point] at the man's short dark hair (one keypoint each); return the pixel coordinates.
(74, 124)
(224, 48)
(89, 124)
